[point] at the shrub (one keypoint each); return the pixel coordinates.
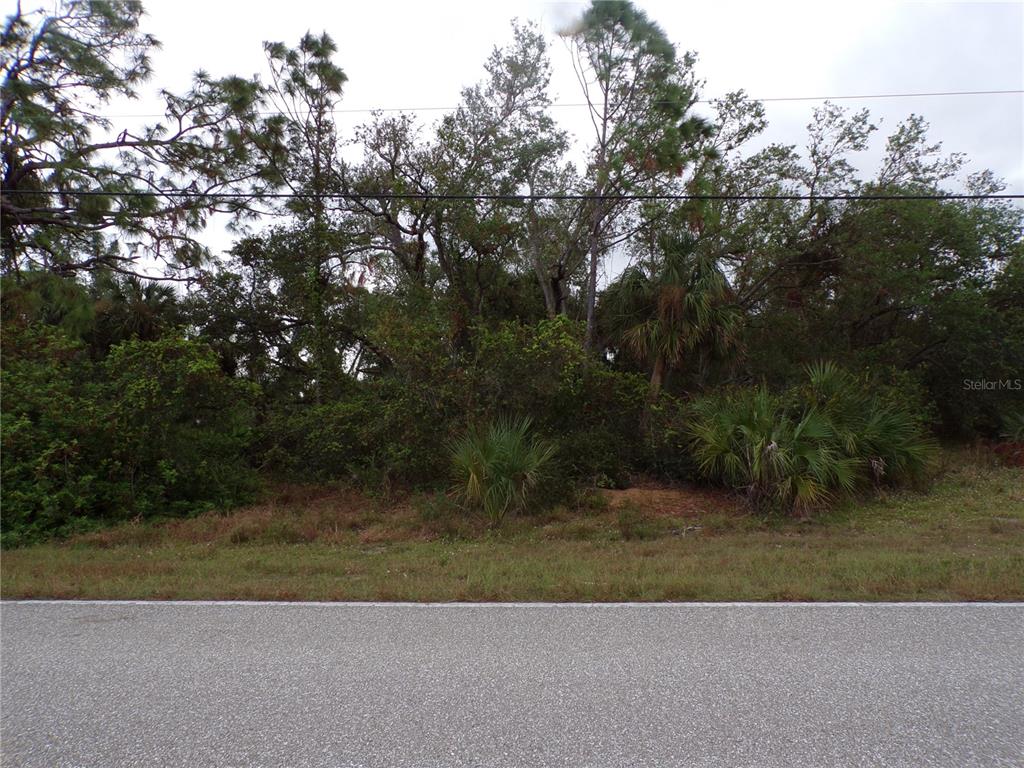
(181, 426)
(154, 429)
(799, 450)
(1013, 427)
(497, 468)
(747, 440)
(389, 430)
(52, 427)
(378, 434)
(597, 413)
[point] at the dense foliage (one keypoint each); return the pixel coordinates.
(799, 449)
(154, 427)
(407, 301)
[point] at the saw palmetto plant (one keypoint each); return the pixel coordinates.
(499, 466)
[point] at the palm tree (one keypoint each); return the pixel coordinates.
(671, 308)
(128, 307)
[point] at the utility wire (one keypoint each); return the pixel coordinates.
(187, 194)
(366, 110)
(884, 96)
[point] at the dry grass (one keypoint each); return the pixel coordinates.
(662, 499)
(960, 539)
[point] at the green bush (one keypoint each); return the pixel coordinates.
(182, 427)
(498, 467)
(799, 450)
(598, 414)
(1013, 427)
(391, 429)
(154, 429)
(880, 434)
(377, 435)
(380, 431)
(54, 471)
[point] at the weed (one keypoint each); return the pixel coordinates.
(960, 541)
(635, 525)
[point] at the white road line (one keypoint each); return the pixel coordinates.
(524, 605)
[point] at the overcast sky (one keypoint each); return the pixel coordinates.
(420, 54)
(416, 54)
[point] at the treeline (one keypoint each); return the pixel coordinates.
(450, 282)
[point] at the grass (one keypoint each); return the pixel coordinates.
(960, 539)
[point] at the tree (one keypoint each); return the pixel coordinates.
(286, 310)
(72, 180)
(767, 241)
(306, 87)
(127, 307)
(284, 315)
(310, 260)
(107, 310)
(488, 146)
(904, 288)
(553, 241)
(499, 142)
(638, 95)
(671, 308)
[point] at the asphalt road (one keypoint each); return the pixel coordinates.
(189, 684)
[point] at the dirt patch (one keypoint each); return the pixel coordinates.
(1010, 453)
(673, 501)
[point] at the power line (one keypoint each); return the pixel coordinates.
(188, 194)
(562, 104)
(886, 95)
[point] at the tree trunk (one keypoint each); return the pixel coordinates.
(547, 283)
(557, 291)
(657, 377)
(594, 240)
(594, 249)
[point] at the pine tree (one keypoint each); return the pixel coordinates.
(80, 192)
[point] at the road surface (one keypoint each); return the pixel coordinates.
(243, 684)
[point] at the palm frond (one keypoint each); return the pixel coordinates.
(498, 467)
